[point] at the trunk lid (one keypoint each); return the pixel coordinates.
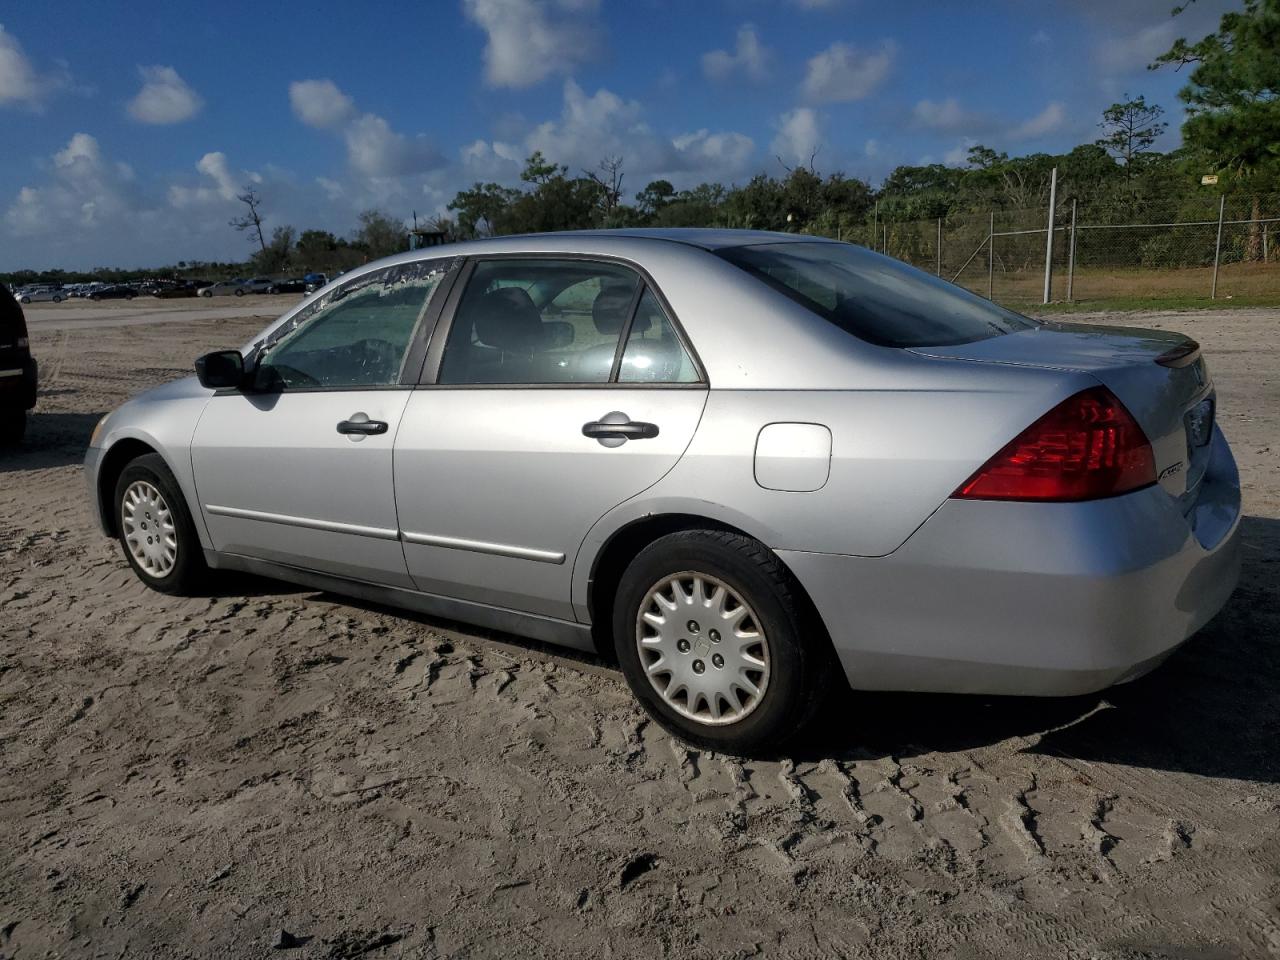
(1172, 400)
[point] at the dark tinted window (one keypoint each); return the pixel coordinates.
(538, 321)
(876, 298)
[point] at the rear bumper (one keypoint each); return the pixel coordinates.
(1033, 599)
(18, 384)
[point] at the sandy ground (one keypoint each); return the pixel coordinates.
(187, 777)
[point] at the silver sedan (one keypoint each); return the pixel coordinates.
(748, 465)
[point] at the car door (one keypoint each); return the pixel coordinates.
(563, 388)
(297, 468)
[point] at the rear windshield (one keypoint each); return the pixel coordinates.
(873, 297)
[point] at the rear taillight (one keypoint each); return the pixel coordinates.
(1086, 447)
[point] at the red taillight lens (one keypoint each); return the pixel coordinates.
(1086, 447)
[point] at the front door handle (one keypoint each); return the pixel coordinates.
(616, 428)
(360, 425)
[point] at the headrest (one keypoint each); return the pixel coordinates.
(609, 309)
(507, 319)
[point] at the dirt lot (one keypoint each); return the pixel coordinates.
(187, 777)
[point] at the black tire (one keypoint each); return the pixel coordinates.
(188, 572)
(799, 652)
(13, 427)
(239, 292)
(128, 296)
(25, 300)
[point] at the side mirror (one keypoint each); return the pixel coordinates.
(221, 370)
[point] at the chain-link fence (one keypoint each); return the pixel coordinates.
(1201, 248)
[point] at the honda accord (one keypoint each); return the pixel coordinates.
(743, 463)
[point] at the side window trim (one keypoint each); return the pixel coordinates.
(449, 309)
(625, 333)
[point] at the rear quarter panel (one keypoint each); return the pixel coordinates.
(905, 433)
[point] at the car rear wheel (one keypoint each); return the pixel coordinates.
(239, 293)
(25, 300)
(13, 426)
(155, 529)
(715, 642)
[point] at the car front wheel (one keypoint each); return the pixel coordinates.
(716, 643)
(155, 528)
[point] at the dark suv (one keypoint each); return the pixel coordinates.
(17, 370)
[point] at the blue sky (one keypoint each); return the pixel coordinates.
(129, 127)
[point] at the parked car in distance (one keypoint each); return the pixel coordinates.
(17, 370)
(295, 285)
(40, 295)
(176, 289)
(115, 291)
(257, 285)
(223, 288)
(314, 281)
(746, 463)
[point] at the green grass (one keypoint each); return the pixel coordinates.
(1139, 303)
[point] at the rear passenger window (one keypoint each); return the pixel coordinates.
(654, 353)
(539, 321)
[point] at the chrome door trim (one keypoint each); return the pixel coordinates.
(11, 373)
(331, 526)
(481, 546)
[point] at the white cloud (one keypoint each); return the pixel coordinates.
(799, 136)
(749, 57)
(1048, 120)
(320, 104)
(164, 98)
(374, 149)
(529, 40)
(842, 73)
(958, 156)
(223, 187)
(941, 114)
(83, 192)
(871, 148)
(716, 151)
(20, 82)
(594, 126)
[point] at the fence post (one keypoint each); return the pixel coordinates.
(1048, 249)
(1217, 248)
(1266, 255)
(991, 253)
(939, 250)
(1071, 255)
(875, 227)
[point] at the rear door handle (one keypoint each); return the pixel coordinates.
(361, 425)
(616, 428)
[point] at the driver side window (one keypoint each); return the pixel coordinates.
(356, 337)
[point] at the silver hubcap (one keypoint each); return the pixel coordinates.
(148, 529)
(702, 648)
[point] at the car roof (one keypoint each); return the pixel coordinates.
(708, 238)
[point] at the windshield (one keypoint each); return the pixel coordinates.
(873, 297)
